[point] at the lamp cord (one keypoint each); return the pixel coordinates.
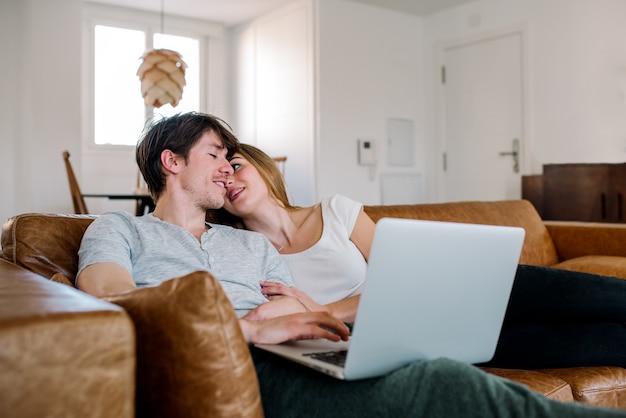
(162, 16)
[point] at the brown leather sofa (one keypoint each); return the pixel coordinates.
(62, 353)
(598, 248)
(184, 369)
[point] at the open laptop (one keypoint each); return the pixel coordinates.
(433, 289)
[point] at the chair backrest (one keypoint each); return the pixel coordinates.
(280, 161)
(77, 197)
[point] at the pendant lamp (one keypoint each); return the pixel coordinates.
(162, 75)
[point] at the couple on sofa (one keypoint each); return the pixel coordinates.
(193, 163)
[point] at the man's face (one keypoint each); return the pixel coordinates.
(204, 176)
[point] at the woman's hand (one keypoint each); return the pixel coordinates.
(275, 291)
(279, 306)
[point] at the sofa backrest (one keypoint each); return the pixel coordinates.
(46, 244)
(538, 247)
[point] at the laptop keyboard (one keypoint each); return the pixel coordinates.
(338, 358)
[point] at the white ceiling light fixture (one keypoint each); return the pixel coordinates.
(162, 75)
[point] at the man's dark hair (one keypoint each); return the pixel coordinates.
(178, 133)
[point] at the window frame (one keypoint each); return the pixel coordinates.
(209, 37)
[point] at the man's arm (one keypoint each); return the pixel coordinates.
(309, 325)
(101, 279)
(104, 261)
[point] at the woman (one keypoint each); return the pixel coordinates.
(332, 239)
(555, 318)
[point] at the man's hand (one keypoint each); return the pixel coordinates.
(301, 326)
(277, 307)
(275, 290)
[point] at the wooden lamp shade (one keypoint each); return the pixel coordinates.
(162, 75)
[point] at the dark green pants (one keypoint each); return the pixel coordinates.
(438, 388)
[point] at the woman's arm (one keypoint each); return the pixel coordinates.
(362, 237)
(363, 234)
(344, 309)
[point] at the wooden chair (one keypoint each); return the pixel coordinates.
(77, 197)
(142, 188)
(280, 161)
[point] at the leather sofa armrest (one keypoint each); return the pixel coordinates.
(578, 239)
(192, 358)
(64, 353)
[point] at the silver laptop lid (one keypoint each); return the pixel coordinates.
(433, 289)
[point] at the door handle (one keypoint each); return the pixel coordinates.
(515, 154)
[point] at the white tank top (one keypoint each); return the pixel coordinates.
(333, 268)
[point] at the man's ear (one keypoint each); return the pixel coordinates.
(170, 161)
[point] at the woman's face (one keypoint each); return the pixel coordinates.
(247, 191)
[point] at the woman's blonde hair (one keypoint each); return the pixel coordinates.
(272, 177)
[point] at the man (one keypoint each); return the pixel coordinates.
(184, 162)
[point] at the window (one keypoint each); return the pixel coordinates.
(118, 106)
(119, 110)
(188, 49)
(116, 39)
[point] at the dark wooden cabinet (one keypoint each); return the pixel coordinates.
(579, 192)
(532, 190)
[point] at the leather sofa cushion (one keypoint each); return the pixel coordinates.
(549, 386)
(189, 341)
(62, 353)
(606, 265)
(576, 239)
(538, 246)
(601, 386)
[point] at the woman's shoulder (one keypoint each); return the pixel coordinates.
(341, 209)
(340, 202)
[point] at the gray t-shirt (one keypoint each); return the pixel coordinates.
(154, 251)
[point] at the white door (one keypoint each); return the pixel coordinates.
(483, 119)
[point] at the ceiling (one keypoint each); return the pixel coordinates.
(232, 12)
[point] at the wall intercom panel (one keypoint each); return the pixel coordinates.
(366, 152)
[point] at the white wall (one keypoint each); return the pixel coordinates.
(576, 59)
(40, 115)
(274, 106)
(373, 64)
(369, 70)
(366, 69)
(9, 11)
